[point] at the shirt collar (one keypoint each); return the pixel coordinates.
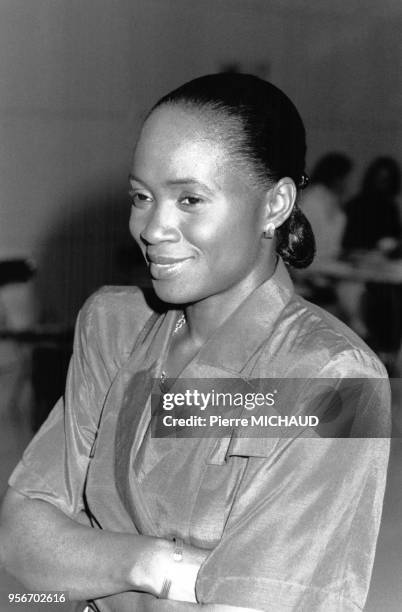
(242, 334)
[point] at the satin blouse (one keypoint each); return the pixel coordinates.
(291, 522)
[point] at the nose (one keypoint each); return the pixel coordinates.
(160, 224)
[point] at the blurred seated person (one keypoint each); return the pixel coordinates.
(373, 220)
(373, 233)
(323, 203)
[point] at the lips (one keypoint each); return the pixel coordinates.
(164, 267)
(165, 261)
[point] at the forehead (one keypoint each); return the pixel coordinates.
(172, 136)
(183, 121)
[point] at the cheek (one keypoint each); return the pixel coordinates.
(208, 235)
(223, 238)
(135, 226)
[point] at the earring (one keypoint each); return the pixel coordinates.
(269, 231)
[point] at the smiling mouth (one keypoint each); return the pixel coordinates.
(166, 267)
(165, 261)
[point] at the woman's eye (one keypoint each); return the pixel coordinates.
(138, 198)
(190, 200)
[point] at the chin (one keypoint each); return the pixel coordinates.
(169, 293)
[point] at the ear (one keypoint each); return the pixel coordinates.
(280, 200)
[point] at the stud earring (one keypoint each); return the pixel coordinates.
(269, 231)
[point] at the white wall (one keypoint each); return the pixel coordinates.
(77, 75)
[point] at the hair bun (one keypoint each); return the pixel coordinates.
(296, 244)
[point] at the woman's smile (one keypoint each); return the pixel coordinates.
(195, 216)
(166, 267)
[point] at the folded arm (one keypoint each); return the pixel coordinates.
(47, 550)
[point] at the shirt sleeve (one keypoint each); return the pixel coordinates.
(302, 531)
(54, 465)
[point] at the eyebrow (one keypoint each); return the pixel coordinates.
(181, 181)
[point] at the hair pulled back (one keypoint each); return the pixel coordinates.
(268, 133)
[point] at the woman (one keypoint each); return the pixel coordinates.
(373, 220)
(323, 202)
(269, 522)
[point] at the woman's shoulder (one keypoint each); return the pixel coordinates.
(114, 316)
(327, 346)
(121, 299)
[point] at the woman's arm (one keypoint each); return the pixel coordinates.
(41, 540)
(47, 550)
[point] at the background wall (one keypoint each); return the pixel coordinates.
(76, 77)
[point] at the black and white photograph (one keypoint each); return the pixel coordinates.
(200, 306)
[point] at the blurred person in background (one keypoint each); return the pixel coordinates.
(373, 220)
(323, 201)
(373, 236)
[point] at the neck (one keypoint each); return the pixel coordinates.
(206, 316)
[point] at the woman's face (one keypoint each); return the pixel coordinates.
(196, 217)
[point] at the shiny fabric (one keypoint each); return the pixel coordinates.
(291, 523)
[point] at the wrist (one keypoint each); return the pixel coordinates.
(151, 565)
(166, 569)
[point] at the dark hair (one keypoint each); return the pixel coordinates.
(377, 165)
(267, 132)
(16, 271)
(331, 168)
